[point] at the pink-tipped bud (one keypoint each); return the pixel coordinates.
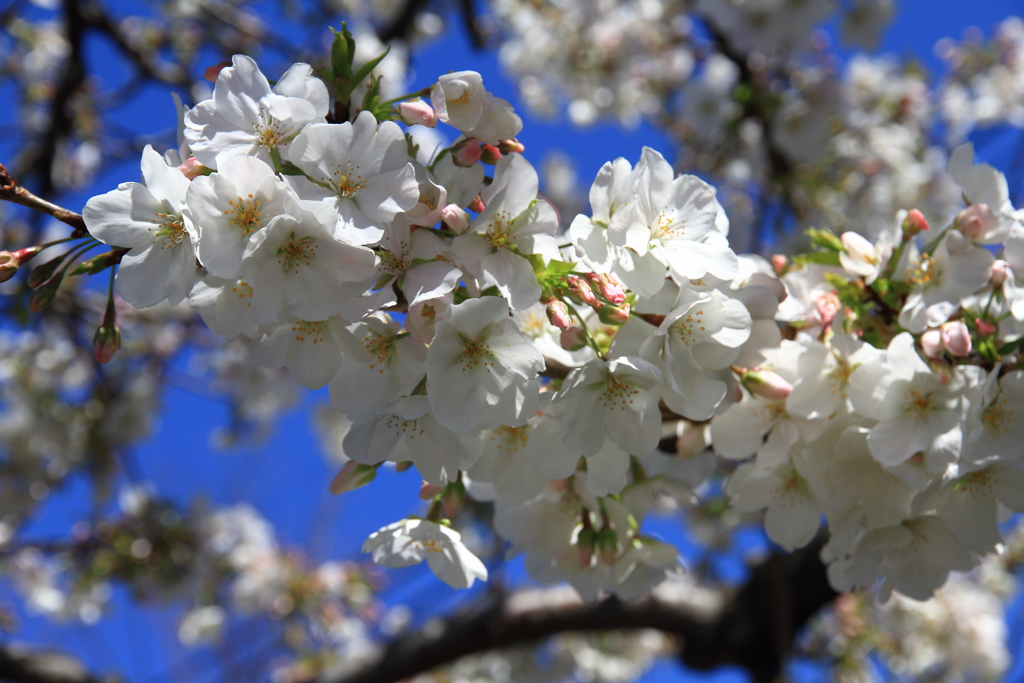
(454, 498)
(827, 305)
(764, 383)
(489, 154)
(455, 218)
(573, 339)
(511, 145)
(613, 315)
(106, 342)
(607, 546)
(779, 264)
(585, 542)
(477, 205)
(1000, 271)
(465, 153)
(429, 491)
(976, 220)
(985, 328)
(931, 343)
(558, 314)
(957, 338)
(914, 223)
(581, 292)
(352, 476)
(45, 293)
(192, 169)
(609, 287)
(10, 261)
(417, 112)
(211, 72)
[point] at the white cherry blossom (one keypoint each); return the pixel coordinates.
(411, 541)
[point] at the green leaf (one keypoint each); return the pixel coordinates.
(1010, 347)
(825, 258)
(825, 239)
(365, 69)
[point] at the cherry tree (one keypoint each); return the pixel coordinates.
(801, 322)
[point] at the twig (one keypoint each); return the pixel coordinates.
(12, 192)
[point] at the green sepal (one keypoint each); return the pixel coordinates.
(825, 258)
(825, 239)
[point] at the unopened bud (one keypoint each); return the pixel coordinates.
(455, 218)
(931, 343)
(585, 542)
(607, 546)
(212, 72)
(352, 476)
(957, 338)
(106, 342)
(430, 491)
(827, 305)
(581, 292)
(418, 112)
(192, 169)
(609, 287)
(764, 383)
(99, 263)
(613, 315)
(489, 154)
(44, 271)
(477, 205)
(558, 314)
(976, 220)
(779, 264)
(985, 328)
(1000, 271)
(914, 223)
(573, 339)
(511, 145)
(10, 261)
(454, 497)
(465, 153)
(45, 293)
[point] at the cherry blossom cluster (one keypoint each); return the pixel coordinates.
(461, 332)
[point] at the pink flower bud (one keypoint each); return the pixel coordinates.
(477, 205)
(558, 314)
(764, 383)
(212, 72)
(465, 153)
(106, 342)
(609, 287)
(931, 343)
(453, 501)
(489, 154)
(581, 291)
(827, 306)
(455, 218)
(418, 112)
(192, 169)
(613, 315)
(573, 339)
(779, 264)
(957, 338)
(976, 220)
(10, 261)
(511, 145)
(914, 223)
(351, 477)
(1000, 271)
(429, 491)
(985, 328)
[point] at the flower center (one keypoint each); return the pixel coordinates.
(476, 353)
(925, 273)
(269, 132)
(996, 417)
(617, 393)
(667, 226)
(347, 180)
(511, 439)
(381, 348)
(247, 217)
(296, 252)
(170, 227)
(684, 328)
(314, 331)
(919, 404)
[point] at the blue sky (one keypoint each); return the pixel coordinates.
(286, 476)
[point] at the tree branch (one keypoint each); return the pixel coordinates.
(21, 666)
(753, 628)
(12, 192)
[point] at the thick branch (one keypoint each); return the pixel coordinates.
(22, 666)
(753, 628)
(12, 192)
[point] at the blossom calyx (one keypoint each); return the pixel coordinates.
(764, 383)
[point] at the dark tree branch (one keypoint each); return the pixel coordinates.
(12, 192)
(753, 628)
(22, 666)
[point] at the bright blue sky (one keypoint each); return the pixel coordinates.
(286, 477)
